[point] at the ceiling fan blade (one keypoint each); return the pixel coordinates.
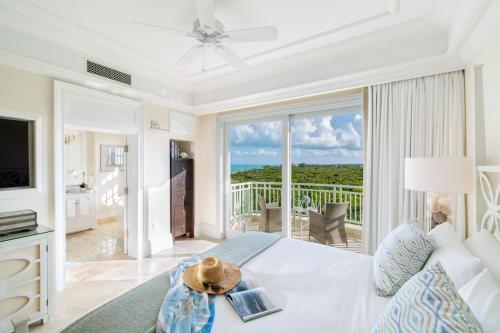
(257, 34)
(168, 29)
(206, 13)
(232, 58)
(190, 55)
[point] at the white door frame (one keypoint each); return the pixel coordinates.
(79, 107)
(225, 181)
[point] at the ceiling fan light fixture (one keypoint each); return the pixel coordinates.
(210, 32)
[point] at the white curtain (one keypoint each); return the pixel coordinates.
(423, 117)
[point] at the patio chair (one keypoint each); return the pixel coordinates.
(330, 227)
(270, 216)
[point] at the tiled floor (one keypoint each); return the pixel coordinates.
(92, 283)
(300, 230)
(105, 242)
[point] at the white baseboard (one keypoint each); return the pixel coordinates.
(209, 230)
(158, 243)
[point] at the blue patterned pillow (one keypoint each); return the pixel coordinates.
(428, 302)
(401, 255)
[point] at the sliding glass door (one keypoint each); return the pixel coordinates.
(326, 175)
(255, 157)
(299, 174)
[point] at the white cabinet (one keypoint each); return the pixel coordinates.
(80, 211)
(24, 278)
(182, 126)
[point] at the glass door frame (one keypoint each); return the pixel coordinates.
(285, 171)
(342, 103)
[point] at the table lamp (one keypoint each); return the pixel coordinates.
(439, 176)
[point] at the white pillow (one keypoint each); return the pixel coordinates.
(485, 246)
(482, 295)
(458, 262)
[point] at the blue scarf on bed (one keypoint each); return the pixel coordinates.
(185, 310)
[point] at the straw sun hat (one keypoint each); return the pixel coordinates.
(212, 276)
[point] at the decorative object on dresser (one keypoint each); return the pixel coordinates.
(439, 175)
(17, 221)
(181, 197)
(25, 288)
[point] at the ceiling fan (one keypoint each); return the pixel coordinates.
(209, 32)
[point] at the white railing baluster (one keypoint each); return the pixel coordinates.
(244, 197)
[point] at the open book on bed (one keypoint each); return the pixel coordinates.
(249, 301)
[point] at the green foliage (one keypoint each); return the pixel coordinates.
(340, 174)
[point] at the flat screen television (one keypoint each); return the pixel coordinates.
(16, 153)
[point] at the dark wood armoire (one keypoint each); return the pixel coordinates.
(181, 197)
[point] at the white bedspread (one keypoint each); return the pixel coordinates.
(321, 289)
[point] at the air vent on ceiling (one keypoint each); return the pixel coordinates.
(108, 73)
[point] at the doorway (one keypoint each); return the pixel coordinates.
(95, 166)
(85, 109)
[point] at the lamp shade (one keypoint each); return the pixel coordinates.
(439, 175)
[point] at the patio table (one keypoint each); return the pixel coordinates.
(300, 212)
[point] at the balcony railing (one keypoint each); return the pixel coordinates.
(245, 197)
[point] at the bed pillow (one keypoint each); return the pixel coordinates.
(428, 302)
(486, 247)
(482, 295)
(402, 254)
(458, 262)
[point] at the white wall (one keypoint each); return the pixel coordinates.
(25, 92)
(489, 57)
(75, 158)
(206, 176)
(157, 180)
(109, 185)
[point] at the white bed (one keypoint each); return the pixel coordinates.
(332, 288)
(324, 289)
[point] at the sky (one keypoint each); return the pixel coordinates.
(319, 140)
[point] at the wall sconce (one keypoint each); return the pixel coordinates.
(69, 137)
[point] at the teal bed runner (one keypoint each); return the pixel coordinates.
(136, 311)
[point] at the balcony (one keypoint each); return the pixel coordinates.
(245, 210)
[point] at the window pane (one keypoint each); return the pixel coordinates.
(256, 154)
(327, 170)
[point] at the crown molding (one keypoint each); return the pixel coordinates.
(481, 32)
(430, 66)
(26, 18)
(88, 80)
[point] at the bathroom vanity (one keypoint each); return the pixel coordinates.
(80, 209)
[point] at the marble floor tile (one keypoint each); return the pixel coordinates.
(105, 242)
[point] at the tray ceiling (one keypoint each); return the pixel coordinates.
(313, 31)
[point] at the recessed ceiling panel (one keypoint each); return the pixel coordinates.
(297, 21)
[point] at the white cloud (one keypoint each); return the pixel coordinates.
(259, 135)
(327, 139)
(319, 133)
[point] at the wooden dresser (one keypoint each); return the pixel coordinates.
(181, 197)
(24, 278)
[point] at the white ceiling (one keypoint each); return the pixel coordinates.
(310, 32)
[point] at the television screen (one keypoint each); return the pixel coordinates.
(15, 153)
